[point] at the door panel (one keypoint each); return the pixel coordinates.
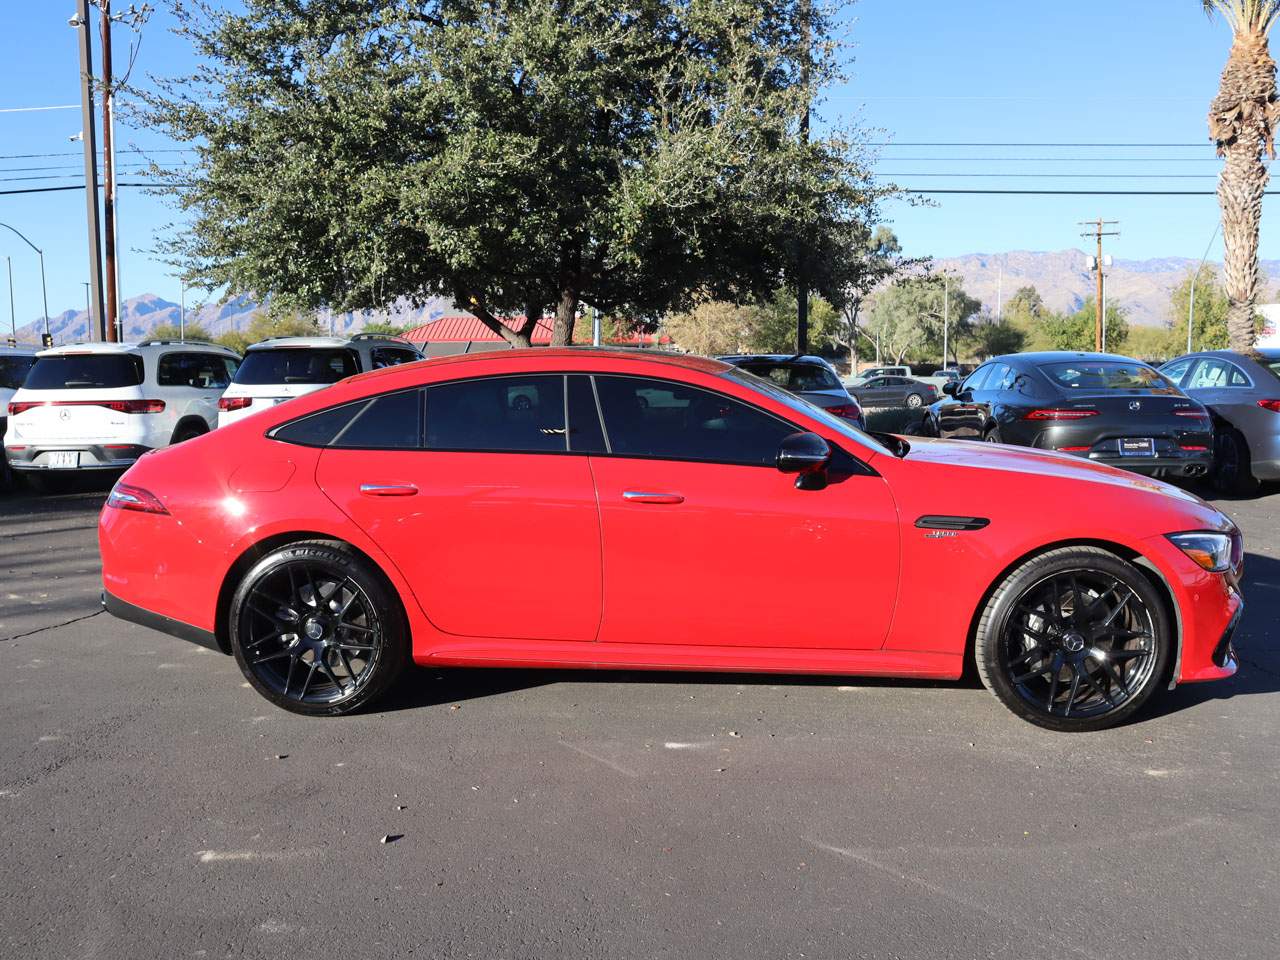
(726, 555)
(493, 544)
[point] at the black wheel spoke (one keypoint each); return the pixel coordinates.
(261, 640)
(1128, 654)
(1075, 688)
(328, 672)
(1097, 687)
(354, 626)
(272, 656)
(1114, 677)
(306, 682)
(1035, 651)
(289, 679)
(1053, 684)
(346, 665)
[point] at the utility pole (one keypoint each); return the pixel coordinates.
(802, 267)
(1098, 231)
(108, 178)
(13, 316)
(182, 310)
(1000, 296)
(97, 319)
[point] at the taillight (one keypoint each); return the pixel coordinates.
(119, 406)
(1056, 414)
(1194, 448)
(849, 411)
(234, 403)
(1272, 405)
(125, 497)
(1074, 449)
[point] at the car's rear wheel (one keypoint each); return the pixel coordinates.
(188, 431)
(317, 629)
(993, 436)
(1073, 640)
(915, 401)
(1232, 466)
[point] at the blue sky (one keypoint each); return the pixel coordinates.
(940, 72)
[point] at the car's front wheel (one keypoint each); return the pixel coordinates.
(1073, 640)
(317, 630)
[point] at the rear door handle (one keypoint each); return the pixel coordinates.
(388, 489)
(639, 496)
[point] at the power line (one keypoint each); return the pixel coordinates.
(61, 106)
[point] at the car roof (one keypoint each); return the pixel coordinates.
(516, 358)
(99, 346)
(1059, 356)
(1267, 353)
(327, 341)
(740, 358)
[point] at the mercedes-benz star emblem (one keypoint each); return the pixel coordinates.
(64, 414)
(1135, 404)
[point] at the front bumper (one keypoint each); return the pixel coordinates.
(92, 456)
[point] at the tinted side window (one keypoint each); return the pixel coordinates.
(391, 356)
(976, 381)
(1177, 370)
(389, 422)
(996, 379)
(671, 421)
(501, 414)
(202, 371)
(319, 429)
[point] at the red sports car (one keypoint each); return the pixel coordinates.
(585, 508)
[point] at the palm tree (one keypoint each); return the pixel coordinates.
(1242, 122)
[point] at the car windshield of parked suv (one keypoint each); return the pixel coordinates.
(805, 408)
(1091, 375)
(13, 370)
(296, 365)
(85, 371)
(796, 377)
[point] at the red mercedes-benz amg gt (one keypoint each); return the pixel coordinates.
(666, 513)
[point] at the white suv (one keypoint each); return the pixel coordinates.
(14, 364)
(100, 406)
(282, 368)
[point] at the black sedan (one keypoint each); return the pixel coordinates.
(810, 378)
(1108, 408)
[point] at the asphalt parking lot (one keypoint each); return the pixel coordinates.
(151, 805)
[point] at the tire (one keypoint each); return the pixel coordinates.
(992, 436)
(1036, 643)
(188, 432)
(1232, 466)
(915, 401)
(327, 613)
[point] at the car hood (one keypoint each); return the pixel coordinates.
(1038, 463)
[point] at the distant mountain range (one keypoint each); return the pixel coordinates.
(1142, 287)
(142, 314)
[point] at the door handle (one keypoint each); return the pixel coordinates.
(637, 496)
(388, 489)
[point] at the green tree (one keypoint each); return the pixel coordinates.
(715, 327)
(264, 325)
(775, 329)
(171, 331)
(1213, 307)
(384, 328)
(996, 338)
(908, 316)
(514, 155)
(875, 258)
(1078, 331)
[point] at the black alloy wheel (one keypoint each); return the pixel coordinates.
(317, 630)
(993, 436)
(1232, 466)
(1074, 640)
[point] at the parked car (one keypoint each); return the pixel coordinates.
(895, 392)
(282, 368)
(100, 406)
(1106, 408)
(872, 372)
(1242, 391)
(811, 378)
(14, 364)
(328, 543)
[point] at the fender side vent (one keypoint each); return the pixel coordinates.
(952, 523)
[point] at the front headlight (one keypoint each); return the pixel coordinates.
(1213, 551)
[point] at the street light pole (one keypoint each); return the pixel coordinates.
(1191, 300)
(946, 314)
(44, 290)
(13, 316)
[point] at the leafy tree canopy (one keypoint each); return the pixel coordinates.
(1078, 331)
(172, 331)
(515, 155)
(908, 315)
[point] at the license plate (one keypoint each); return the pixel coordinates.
(1135, 447)
(63, 459)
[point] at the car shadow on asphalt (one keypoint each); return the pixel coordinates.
(1257, 648)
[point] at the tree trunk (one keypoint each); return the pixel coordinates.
(1240, 122)
(516, 338)
(566, 314)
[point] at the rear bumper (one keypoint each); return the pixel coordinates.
(1192, 463)
(156, 621)
(93, 456)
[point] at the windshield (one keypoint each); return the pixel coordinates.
(13, 370)
(296, 365)
(85, 371)
(1102, 375)
(805, 408)
(796, 377)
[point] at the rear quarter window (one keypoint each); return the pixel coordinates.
(85, 371)
(13, 370)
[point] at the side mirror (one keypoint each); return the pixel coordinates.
(951, 388)
(807, 456)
